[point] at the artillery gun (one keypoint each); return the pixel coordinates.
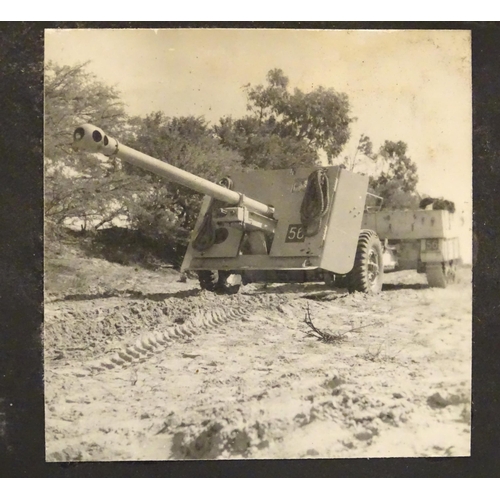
(293, 225)
(297, 225)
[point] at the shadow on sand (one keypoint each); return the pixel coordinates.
(132, 294)
(386, 287)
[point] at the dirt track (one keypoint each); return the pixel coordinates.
(396, 383)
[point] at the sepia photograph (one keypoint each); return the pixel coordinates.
(257, 244)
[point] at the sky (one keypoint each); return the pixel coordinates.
(408, 85)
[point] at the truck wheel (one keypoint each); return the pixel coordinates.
(451, 272)
(441, 274)
(435, 275)
(219, 281)
(367, 273)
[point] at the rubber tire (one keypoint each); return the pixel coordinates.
(452, 274)
(223, 286)
(420, 267)
(217, 281)
(369, 253)
(208, 280)
(441, 274)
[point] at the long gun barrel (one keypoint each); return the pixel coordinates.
(93, 140)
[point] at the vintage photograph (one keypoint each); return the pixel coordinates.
(258, 244)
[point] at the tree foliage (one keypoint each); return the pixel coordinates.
(261, 147)
(287, 129)
(74, 96)
(398, 181)
(80, 186)
(364, 148)
(163, 208)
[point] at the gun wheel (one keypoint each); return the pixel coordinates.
(367, 273)
(222, 282)
(208, 280)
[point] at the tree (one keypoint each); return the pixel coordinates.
(287, 129)
(398, 181)
(83, 187)
(363, 148)
(165, 209)
(74, 96)
(260, 147)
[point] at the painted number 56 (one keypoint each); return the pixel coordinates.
(295, 234)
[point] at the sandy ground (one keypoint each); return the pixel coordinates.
(202, 376)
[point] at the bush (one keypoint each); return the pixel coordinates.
(132, 247)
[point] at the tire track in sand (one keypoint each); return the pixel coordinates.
(155, 342)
